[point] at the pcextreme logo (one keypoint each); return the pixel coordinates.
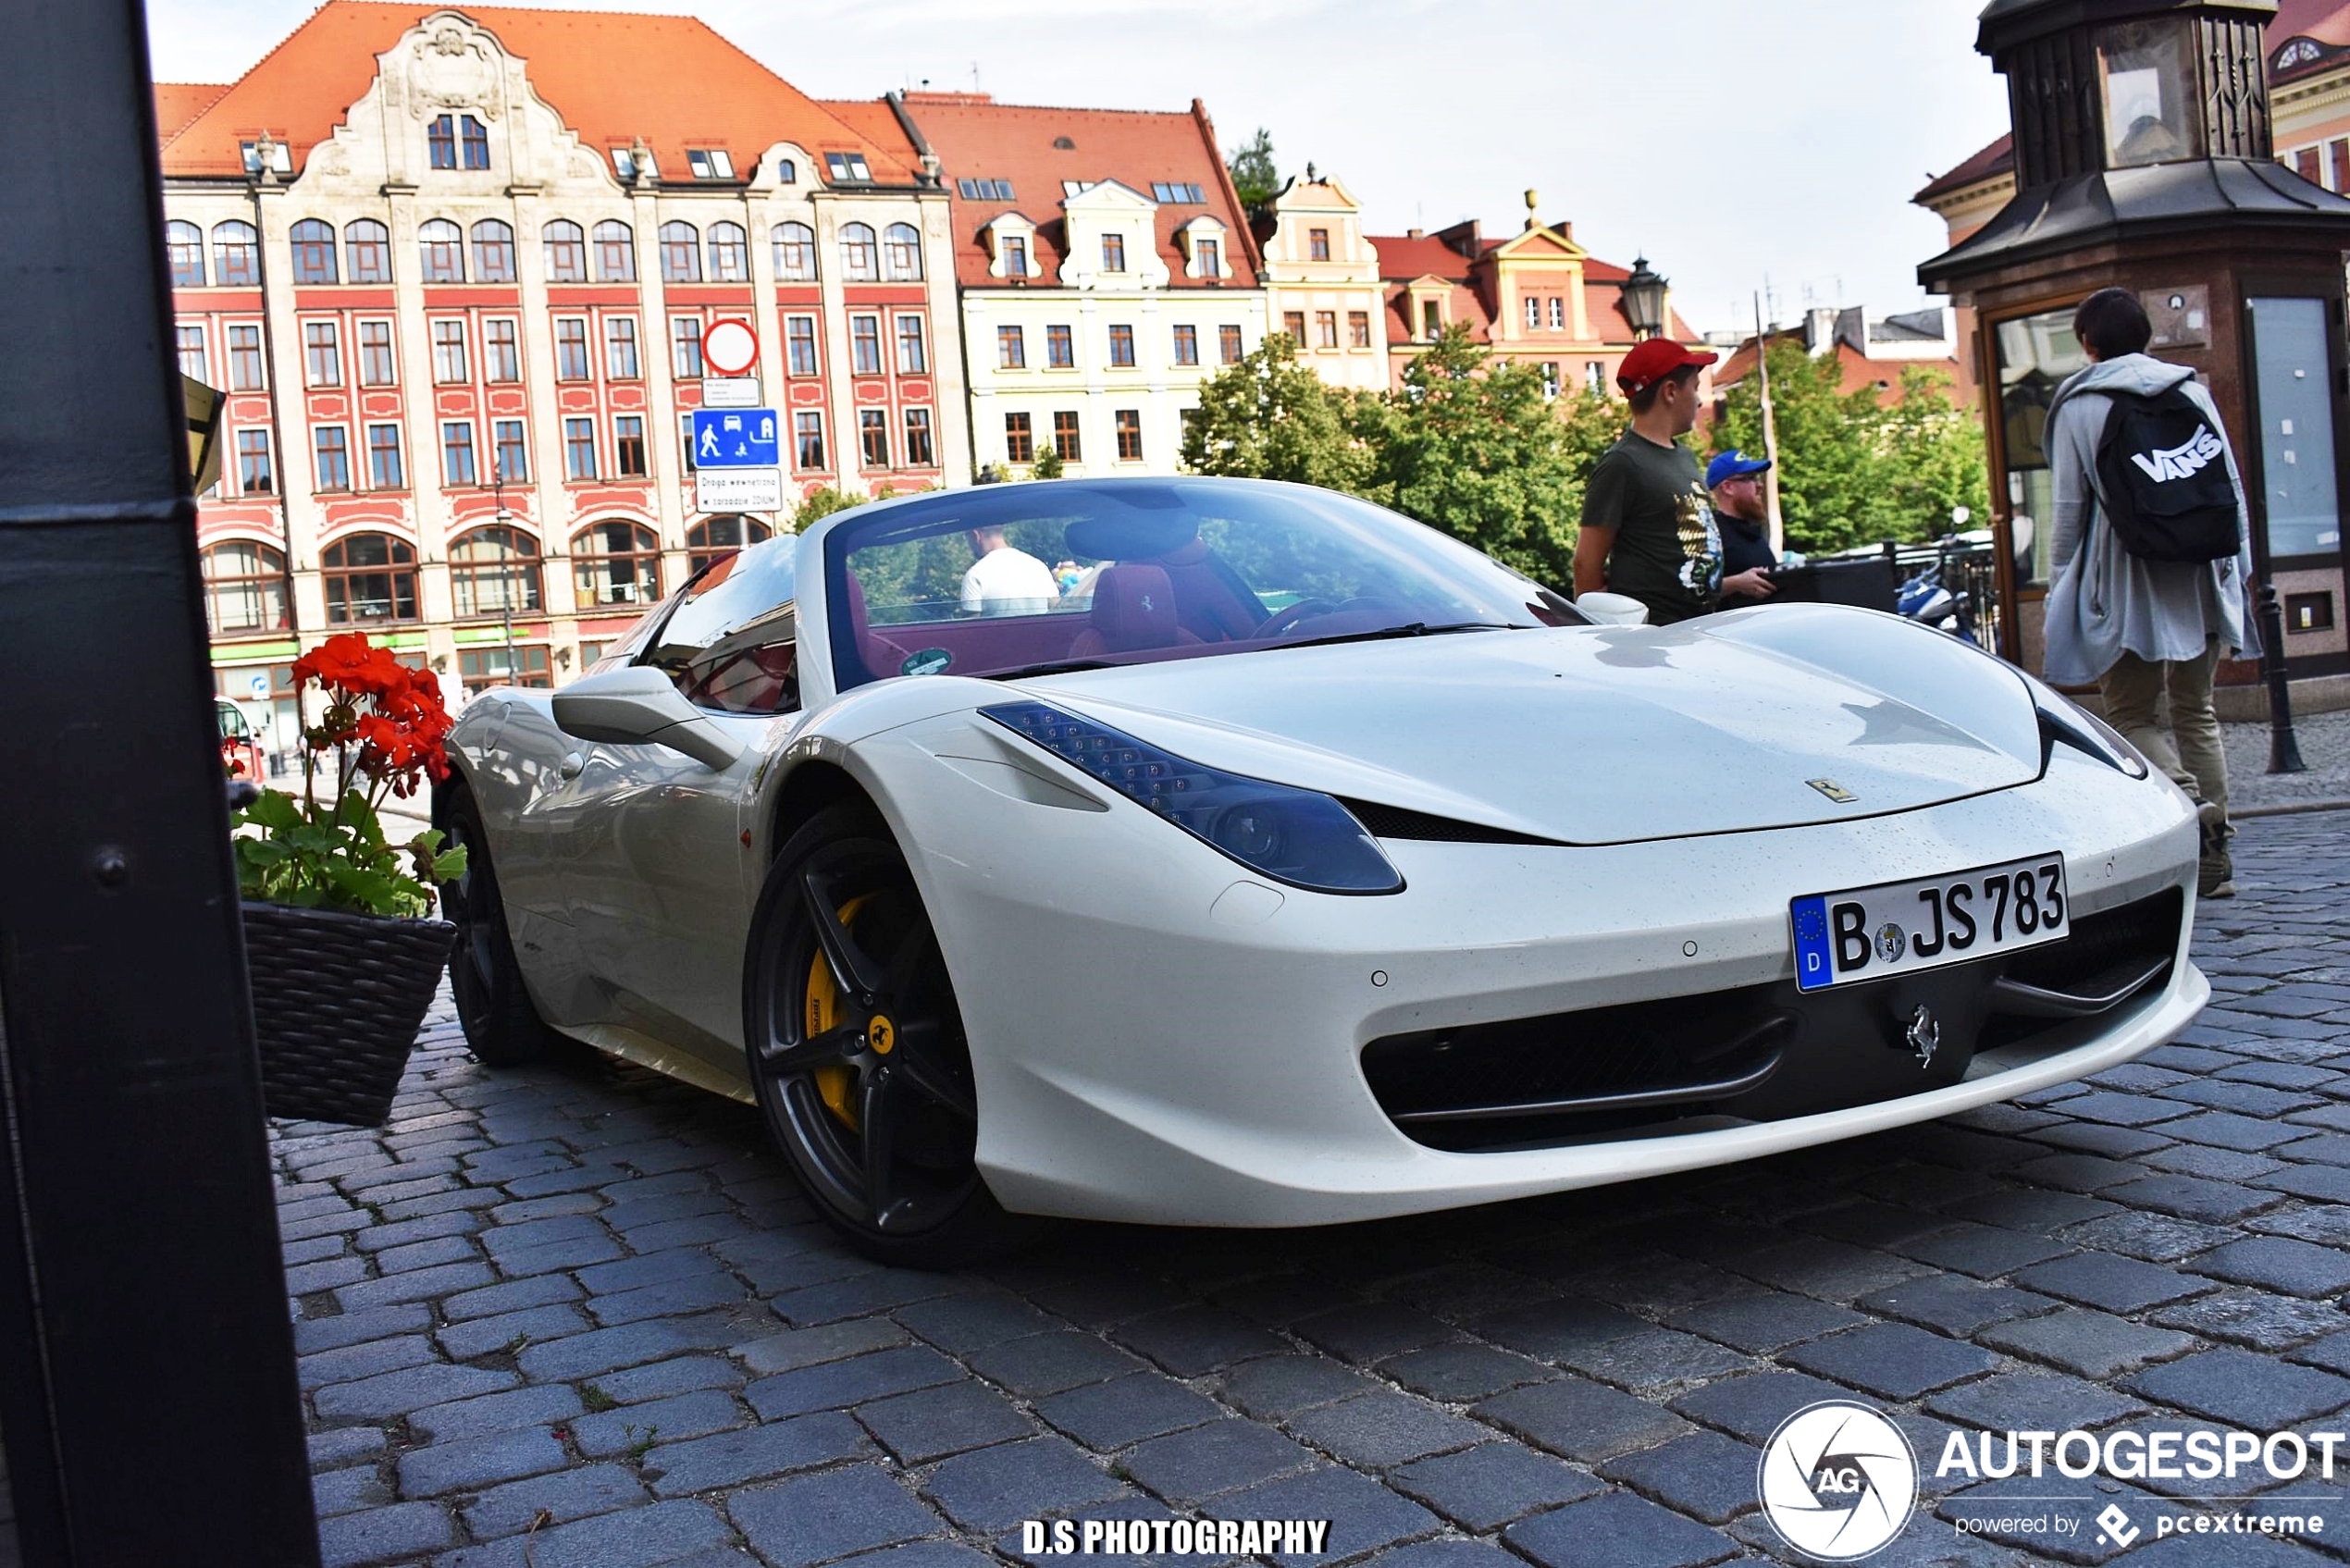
(1838, 1481)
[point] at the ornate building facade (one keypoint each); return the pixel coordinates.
(1322, 283)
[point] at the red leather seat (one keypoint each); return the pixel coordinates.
(1207, 603)
(1134, 612)
(882, 657)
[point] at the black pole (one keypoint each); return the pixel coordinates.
(147, 1396)
(2284, 750)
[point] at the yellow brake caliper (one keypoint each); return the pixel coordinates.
(832, 1083)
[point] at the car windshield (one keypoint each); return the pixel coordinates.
(1030, 578)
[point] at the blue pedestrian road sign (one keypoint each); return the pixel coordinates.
(737, 438)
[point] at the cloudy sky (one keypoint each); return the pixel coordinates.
(1730, 140)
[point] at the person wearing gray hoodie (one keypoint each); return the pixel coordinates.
(2142, 628)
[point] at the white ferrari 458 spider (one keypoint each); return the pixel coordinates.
(1215, 852)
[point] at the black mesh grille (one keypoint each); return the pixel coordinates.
(1394, 821)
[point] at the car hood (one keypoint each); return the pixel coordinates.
(1761, 719)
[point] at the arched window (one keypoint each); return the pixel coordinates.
(616, 561)
(236, 253)
(313, 252)
(492, 571)
(185, 242)
(729, 256)
(370, 577)
(795, 253)
(566, 251)
(493, 252)
(715, 536)
(615, 252)
(902, 253)
(786, 172)
(858, 261)
(680, 254)
(366, 246)
(244, 589)
(443, 244)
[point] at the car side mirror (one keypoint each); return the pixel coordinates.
(639, 707)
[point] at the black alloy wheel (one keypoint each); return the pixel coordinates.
(493, 1005)
(857, 1050)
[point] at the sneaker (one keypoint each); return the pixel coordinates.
(2216, 872)
(2209, 815)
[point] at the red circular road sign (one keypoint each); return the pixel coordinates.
(729, 347)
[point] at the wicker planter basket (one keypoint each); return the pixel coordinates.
(335, 1003)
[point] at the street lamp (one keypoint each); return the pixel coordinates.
(1644, 301)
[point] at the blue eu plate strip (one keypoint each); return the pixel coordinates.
(1814, 955)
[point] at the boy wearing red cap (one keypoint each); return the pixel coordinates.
(1648, 525)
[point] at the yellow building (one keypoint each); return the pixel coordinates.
(1322, 284)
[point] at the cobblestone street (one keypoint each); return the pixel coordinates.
(579, 1316)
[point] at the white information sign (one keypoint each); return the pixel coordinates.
(730, 391)
(738, 489)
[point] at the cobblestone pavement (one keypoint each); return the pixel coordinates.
(579, 1317)
(2324, 739)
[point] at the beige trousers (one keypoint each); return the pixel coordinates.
(2189, 750)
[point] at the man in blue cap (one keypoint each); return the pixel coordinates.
(1743, 514)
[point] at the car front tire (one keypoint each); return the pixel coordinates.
(501, 1026)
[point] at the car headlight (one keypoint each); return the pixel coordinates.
(1293, 835)
(2077, 727)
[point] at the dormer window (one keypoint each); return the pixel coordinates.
(280, 157)
(1431, 320)
(1113, 253)
(1317, 245)
(457, 141)
(1015, 256)
(1209, 256)
(624, 163)
(1164, 192)
(786, 172)
(709, 163)
(983, 190)
(847, 169)
(2300, 52)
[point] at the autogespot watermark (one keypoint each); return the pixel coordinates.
(1840, 1481)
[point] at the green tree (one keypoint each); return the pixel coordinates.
(822, 502)
(1934, 456)
(1254, 175)
(1047, 465)
(1267, 417)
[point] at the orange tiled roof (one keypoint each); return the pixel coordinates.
(177, 103)
(613, 76)
(977, 138)
(1404, 257)
(1998, 159)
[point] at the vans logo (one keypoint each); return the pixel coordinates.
(2182, 461)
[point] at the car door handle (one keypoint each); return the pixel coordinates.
(572, 763)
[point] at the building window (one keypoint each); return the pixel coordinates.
(686, 439)
(566, 248)
(849, 166)
(313, 252)
(902, 253)
(246, 372)
(579, 448)
(684, 347)
(385, 471)
(510, 452)
(1015, 256)
(493, 570)
(482, 667)
(799, 345)
(912, 358)
(1113, 253)
(500, 351)
(1129, 435)
(680, 254)
(1533, 312)
(864, 345)
(1227, 344)
(1186, 348)
(729, 253)
(474, 141)
(1325, 328)
(254, 474)
(615, 252)
(860, 259)
(808, 441)
(620, 348)
(321, 354)
(493, 252)
(244, 587)
(189, 341)
(1061, 349)
(984, 190)
(1122, 345)
(1358, 328)
(1211, 256)
(709, 163)
(1595, 375)
(795, 253)
(872, 436)
(185, 243)
(1019, 438)
(713, 537)
(616, 561)
(370, 577)
(1431, 320)
(1066, 441)
(1317, 245)
(441, 142)
(448, 350)
(570, 349)
(367, 247)
(1163, 191)
(1550, 378)
(457, 455)
(375, 364)
(1011, 348)
(919, 454)
(444, 246)
(1293, 324)
(628, 447)
(1558, 313)
(236, 254)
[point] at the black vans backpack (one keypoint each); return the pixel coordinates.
(2162, 478)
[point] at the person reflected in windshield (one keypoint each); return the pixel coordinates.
(1006, 580)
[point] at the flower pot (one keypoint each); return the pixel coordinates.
(337, 1000)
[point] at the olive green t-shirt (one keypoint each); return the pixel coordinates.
(1667, 552)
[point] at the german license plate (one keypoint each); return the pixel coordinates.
(1898, 927)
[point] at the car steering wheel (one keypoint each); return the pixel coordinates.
(1281, 621)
